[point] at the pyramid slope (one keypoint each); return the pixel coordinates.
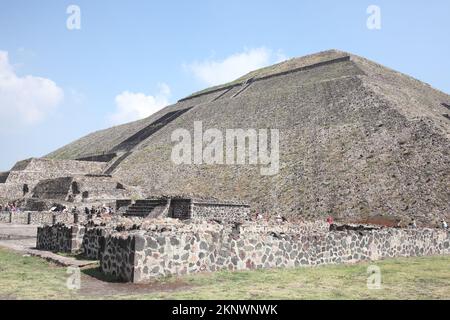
(101, 142)
(356, 139)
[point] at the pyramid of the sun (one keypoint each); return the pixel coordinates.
(356, 139)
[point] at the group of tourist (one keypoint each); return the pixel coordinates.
(9, 207)
(98, 211)
(94, 211)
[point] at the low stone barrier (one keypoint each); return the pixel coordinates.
(19, 217)
(221, 211)
(118, 258)
(94, 242)
(141, 256)
(41, 217)
(60, 238)
(304, 227)
(198, 209)
(90, 241)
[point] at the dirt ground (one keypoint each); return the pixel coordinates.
(17, 237)
(22, 239)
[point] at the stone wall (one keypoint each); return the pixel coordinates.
(39, 169)
(118, 258)
(40, 218)
(5, 217)
(83, 188)
(94, 242)
(60, 238)
(180, 209)
(139, 257)
(203, 209)
(56, 189)
(303, 227)
(73, 238)
(19, 217)
(123, 203)
(11, 191)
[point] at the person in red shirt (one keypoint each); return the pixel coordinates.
(330, 220)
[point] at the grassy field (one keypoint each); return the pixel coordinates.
(23, 277)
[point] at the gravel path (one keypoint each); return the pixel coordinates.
(22, 238)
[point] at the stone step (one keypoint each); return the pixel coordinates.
(138, 211)
(149, 202)
(145, 205)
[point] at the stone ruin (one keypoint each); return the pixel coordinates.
(377, 142)
(134, 249)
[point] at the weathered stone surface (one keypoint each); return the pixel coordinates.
(354, 138)
(259, 249)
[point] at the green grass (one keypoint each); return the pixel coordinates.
(25, 277)
(405, 278)
(415, 278)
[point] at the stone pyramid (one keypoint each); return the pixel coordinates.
(356, 140)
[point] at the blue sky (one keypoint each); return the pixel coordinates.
(132, 57)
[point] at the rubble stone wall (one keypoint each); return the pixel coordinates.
(195, 209)
(11, 191)
(305, 227)
(94, 242)
(137, 257)
(5, 217)
(60, 238)
(56, 189)
(19, 217)
(40, 218)
(204, 210)
(180, 209)
(118, 258)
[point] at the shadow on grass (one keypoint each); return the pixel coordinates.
(96, 273)
(76, 256)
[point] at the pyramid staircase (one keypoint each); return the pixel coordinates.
(145, 208)
(244, 87)
(116, 163)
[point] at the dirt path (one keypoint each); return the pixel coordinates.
(18, 237)
(22, 238)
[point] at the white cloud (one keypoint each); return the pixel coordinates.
(214, 72)
(25, 100)
(132, 106)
